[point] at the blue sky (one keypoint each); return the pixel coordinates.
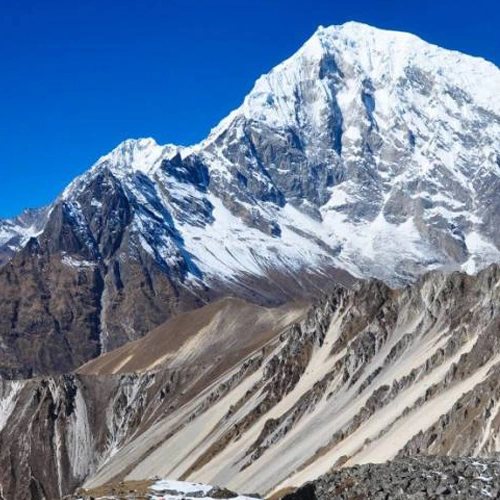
(78, 77)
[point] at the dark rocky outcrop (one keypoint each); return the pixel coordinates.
(422, 478)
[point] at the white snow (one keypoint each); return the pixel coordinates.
(77, 263)
(479, 250)
(182, 487)
(8, 401)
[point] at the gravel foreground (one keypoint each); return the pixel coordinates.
(421, 478)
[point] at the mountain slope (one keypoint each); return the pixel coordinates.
(229, 330)
(367, 375)
(55, 432)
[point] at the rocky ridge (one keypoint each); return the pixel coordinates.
(422, 478)
(369, 374)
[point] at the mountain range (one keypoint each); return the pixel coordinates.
(312, 286)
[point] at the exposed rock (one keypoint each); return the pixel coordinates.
(369, 373)
(262, 400)
(218, 492)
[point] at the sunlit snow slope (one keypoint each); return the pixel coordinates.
(369, 150)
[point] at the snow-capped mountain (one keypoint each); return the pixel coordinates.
(15, 233)
(367, 151)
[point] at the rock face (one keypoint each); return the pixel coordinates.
(422, 478)
(80, 289)
(54, 432)
(367, 151)
(57, 431)
(49, 313)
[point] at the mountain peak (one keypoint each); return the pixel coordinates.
(340, 58)
(351, 34)
(131, 156)
(141, 155)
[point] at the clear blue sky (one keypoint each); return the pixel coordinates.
(78, 77)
